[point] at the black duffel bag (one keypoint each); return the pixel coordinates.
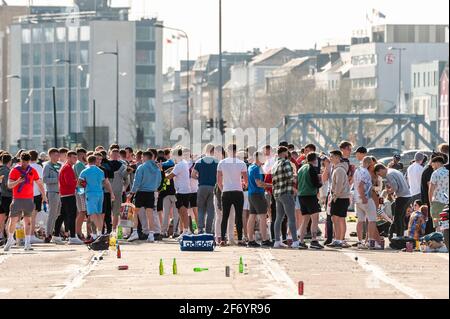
(399, 243)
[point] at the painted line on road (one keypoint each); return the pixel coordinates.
(75, 281)
(379, 274)
(283, 286)
(3, 258)
(443, 256)
(4, 290)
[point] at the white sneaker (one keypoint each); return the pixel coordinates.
(151, 238)
(9, 244)
(279, 244)
(57, 240)
(35, 240)
(27, 247)
(75, 241)
(134, 236)
(295, 244)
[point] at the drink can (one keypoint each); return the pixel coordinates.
(227, 271)
(301, 288)
(125, 267)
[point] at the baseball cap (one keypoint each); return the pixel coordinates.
(361, 150)
(419, 157)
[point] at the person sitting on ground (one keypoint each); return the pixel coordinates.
(418, 221)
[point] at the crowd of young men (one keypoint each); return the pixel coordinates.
(221, 191)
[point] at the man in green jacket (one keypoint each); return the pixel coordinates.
(308, 187)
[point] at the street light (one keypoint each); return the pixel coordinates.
(116, 53)
(220, 104)
(400, 50)
(184, 33)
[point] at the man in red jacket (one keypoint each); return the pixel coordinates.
(67, 187)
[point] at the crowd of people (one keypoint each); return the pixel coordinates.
(268, 197)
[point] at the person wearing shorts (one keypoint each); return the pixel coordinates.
(438, 189)
(308, 189)
(37, 196)
(80, 196)
(340, 198)
(146, 182)
(6, 194)
(93, 180)
(365, 207)
(21, 180)
(257, 203)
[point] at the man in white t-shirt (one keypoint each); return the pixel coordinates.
(231, 174)
(414, 176)
(37, 196)
(182, 181)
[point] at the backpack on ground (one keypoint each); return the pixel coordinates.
(399, 243)
(203, 242)
(100, 244)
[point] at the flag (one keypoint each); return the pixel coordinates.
(169, 41)
(378, 14)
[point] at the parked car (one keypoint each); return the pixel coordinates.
(408, 156)
(381, 152)
(385, 161)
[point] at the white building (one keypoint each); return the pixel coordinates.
(37, 41)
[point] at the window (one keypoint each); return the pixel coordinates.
(25, 124)
(145, 33)
(25, 103)
(149, 128)
(26, 36)
(84, 77)
(60, 51)
(49, 59)
(60, 34)
(37, 58)
(37, 125)
(37, 34)
(49, 35)
(26, 54)
(73, 34)
(36, 101)
(145, 81)
(60, 76)
(364, 83)
(48, 100)
(61, 123)
(25, 78)
(145, 57)
(424, 80)
(367, 59)
(73, 53)
(73, 101)
(429, 79)
(84, 120)
(48, 122)
(145, 105)
(418, 79)
(73, 123)
(415, 76)
(84, 53)
(37, 78)
(73, 76)
(84, 100)
(435, 78)
(48, 77)
(60, 100)
(85, 33)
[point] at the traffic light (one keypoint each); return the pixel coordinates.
(222, 126)
(210, 123)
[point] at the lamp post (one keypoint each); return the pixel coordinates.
(400, 50)
(185, 35)
(220, 95)
(116, 53)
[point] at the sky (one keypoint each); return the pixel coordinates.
(248, 24)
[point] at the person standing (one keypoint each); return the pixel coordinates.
(21, 180)
(205, 170)
(395, 163)
(257, 202)
(80, 196)
(396, 184)
(93, 180)
(67, 187)
(231, 175)
(120, 174)
(283, 192)
(308, 188)
(146, 182)
(414, 176)
(37, 196)
(50, 178)
(340, 198)
(438, 193)
(6, 193)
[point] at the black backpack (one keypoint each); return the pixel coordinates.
(399, 243)
(100, 244)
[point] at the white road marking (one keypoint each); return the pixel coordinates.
(76, 280)
(443, 256)
(4, 290)
(378, 273)
(282, 285)
(3, 258)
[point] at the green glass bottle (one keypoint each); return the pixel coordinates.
(174, 267)
(200, 269)
(241, 266)
(119, 232)
(161, 267)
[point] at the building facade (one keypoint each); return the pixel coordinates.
(47, 51)
(443, 112)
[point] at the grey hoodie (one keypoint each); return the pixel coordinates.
(119, 180)
(50, 178)
(340, 187)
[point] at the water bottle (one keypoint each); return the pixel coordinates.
(45, 207)
(112, 241)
